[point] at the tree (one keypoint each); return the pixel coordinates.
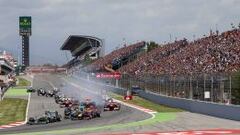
(151, 45)
(87, 59)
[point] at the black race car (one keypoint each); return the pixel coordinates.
(31, 90)
(38, 120)
(76, 115)
(48, 117)
(41, 92)
(67, 112)
(53, 116)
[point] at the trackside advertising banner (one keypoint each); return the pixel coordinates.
(115, 75)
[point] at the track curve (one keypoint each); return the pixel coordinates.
(39, 104)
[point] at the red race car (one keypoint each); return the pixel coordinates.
(110, 105)
(128, 95)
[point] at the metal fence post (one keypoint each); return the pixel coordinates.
(230, 89)
(174, 85)
(221, 90)
(204, 86)
(190, 90)
(212, 88)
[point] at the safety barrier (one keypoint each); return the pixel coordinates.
(196, 106)
(208, 108)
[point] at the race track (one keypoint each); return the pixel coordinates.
(76, 88)
(39, 104)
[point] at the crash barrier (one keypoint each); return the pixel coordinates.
(202, 107)
(208, 108)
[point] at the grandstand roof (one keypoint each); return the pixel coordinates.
(78, 44)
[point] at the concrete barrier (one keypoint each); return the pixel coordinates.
(214, 109)
(208, 108)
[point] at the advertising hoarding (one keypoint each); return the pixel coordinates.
(25, 25)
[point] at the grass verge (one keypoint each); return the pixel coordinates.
(23, 82)
(16, 92)
(146, 104)
(159, 117)
(12, 110)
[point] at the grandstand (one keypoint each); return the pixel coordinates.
(80, 46)
(117, 58)
(7, 63)
(212, 54)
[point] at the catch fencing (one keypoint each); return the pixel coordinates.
(203, 87)
(218, 88)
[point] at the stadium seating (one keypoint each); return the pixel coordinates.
(212, 54)
(115, 55)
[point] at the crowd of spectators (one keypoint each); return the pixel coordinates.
(100, 63)
(149, 62)
(217, 53)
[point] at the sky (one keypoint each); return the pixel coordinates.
(112, 20)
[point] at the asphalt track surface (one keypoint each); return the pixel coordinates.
(39, 104)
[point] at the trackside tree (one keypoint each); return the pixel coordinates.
(25, 30)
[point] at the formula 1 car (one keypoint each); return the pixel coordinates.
(76, 115)
(65, 102)
(68, 102)
(29, 90)
(38, 120)
(86, 110)
(53, 116)
(91, 110)
(49, 93)
(41, 92)
(110, 105)
(55, 91)
(128, 95)
(67, 112)
(59, 98)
